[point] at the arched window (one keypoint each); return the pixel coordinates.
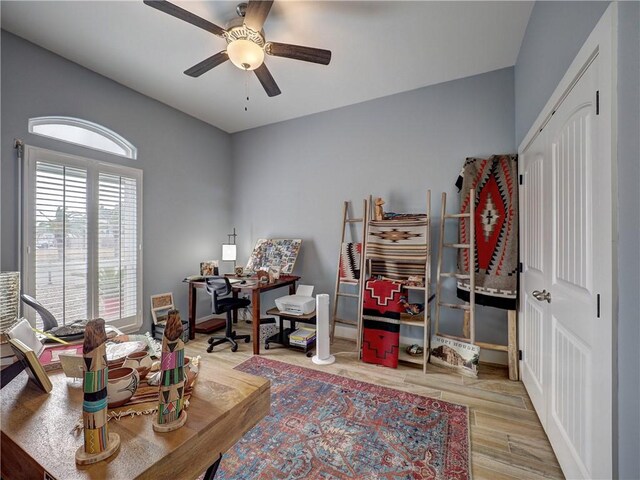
(84, 133)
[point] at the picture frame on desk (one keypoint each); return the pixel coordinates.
(33, 367)
(209, 268)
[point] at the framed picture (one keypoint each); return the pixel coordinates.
(31, 364)
(209, 268)
(160, 306)
(161, 300)
(274, 252)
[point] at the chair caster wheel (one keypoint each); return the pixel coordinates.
(247, 340)
(266, 346)
(234, 348)
(210, 341)
(210, 349)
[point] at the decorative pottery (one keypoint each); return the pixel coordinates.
(123, 383)
(98, 442)
(141, 361)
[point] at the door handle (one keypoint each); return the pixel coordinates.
(541, 296)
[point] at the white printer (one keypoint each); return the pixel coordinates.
(302, 303)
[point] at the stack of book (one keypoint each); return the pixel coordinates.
(303, 337)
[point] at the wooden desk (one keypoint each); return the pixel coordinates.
(256, 290)
(211, 323)
(36, 429)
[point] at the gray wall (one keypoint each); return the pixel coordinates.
(555, 33)
(629, 239)
(186, 163)
(291, 178)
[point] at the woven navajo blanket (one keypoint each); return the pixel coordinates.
(381, 311)
(397, 248)
(329, 427)
(496, 230)
(350, 262)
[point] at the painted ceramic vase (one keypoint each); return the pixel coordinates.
(141, 361)
(122, 384)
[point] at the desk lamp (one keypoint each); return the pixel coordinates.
(229, 249)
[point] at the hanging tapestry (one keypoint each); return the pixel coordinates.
(496, 230)
(381, 311)
(350, 262)
(397, 248)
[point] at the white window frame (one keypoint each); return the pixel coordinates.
(130, 150)
(32, 155)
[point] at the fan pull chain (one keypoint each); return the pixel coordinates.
(246, 90)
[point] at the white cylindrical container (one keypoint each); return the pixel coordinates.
(323, 343)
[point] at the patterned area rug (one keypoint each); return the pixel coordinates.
(324, 426)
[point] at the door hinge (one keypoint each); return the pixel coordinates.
(521, 179)
(598, 306)
(597, 102)
(520, 355)
(520, 267)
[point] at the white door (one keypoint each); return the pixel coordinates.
(535, 241)
(566, 249)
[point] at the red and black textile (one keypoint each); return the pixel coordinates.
(381, 322)
(495, 183)
(350, 262)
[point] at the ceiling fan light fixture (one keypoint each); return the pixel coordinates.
(245, 54)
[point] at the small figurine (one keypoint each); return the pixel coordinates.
(263, 276)
(98, 442)
(378, 212)
(171, 413)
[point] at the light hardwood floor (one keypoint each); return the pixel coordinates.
(507, 440)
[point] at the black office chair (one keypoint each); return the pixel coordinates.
(72, 331)
(219, 288)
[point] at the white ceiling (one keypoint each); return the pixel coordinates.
(379, 48)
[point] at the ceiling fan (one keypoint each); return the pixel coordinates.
(246, 45)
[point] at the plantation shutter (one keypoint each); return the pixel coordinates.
(60, 240)
(117, 246)
(82, 238)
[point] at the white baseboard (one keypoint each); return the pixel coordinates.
(486, 356)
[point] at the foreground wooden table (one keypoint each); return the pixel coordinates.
(36, 429)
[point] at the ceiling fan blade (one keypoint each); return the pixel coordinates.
(257, 11)
(267, 81)
(206, 65)
(298, 52)
(182, 14)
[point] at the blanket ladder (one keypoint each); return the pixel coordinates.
(469, 326)
(347, 220)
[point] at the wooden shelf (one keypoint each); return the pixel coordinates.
(346, 321)
(403, 356)
(418, 322)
